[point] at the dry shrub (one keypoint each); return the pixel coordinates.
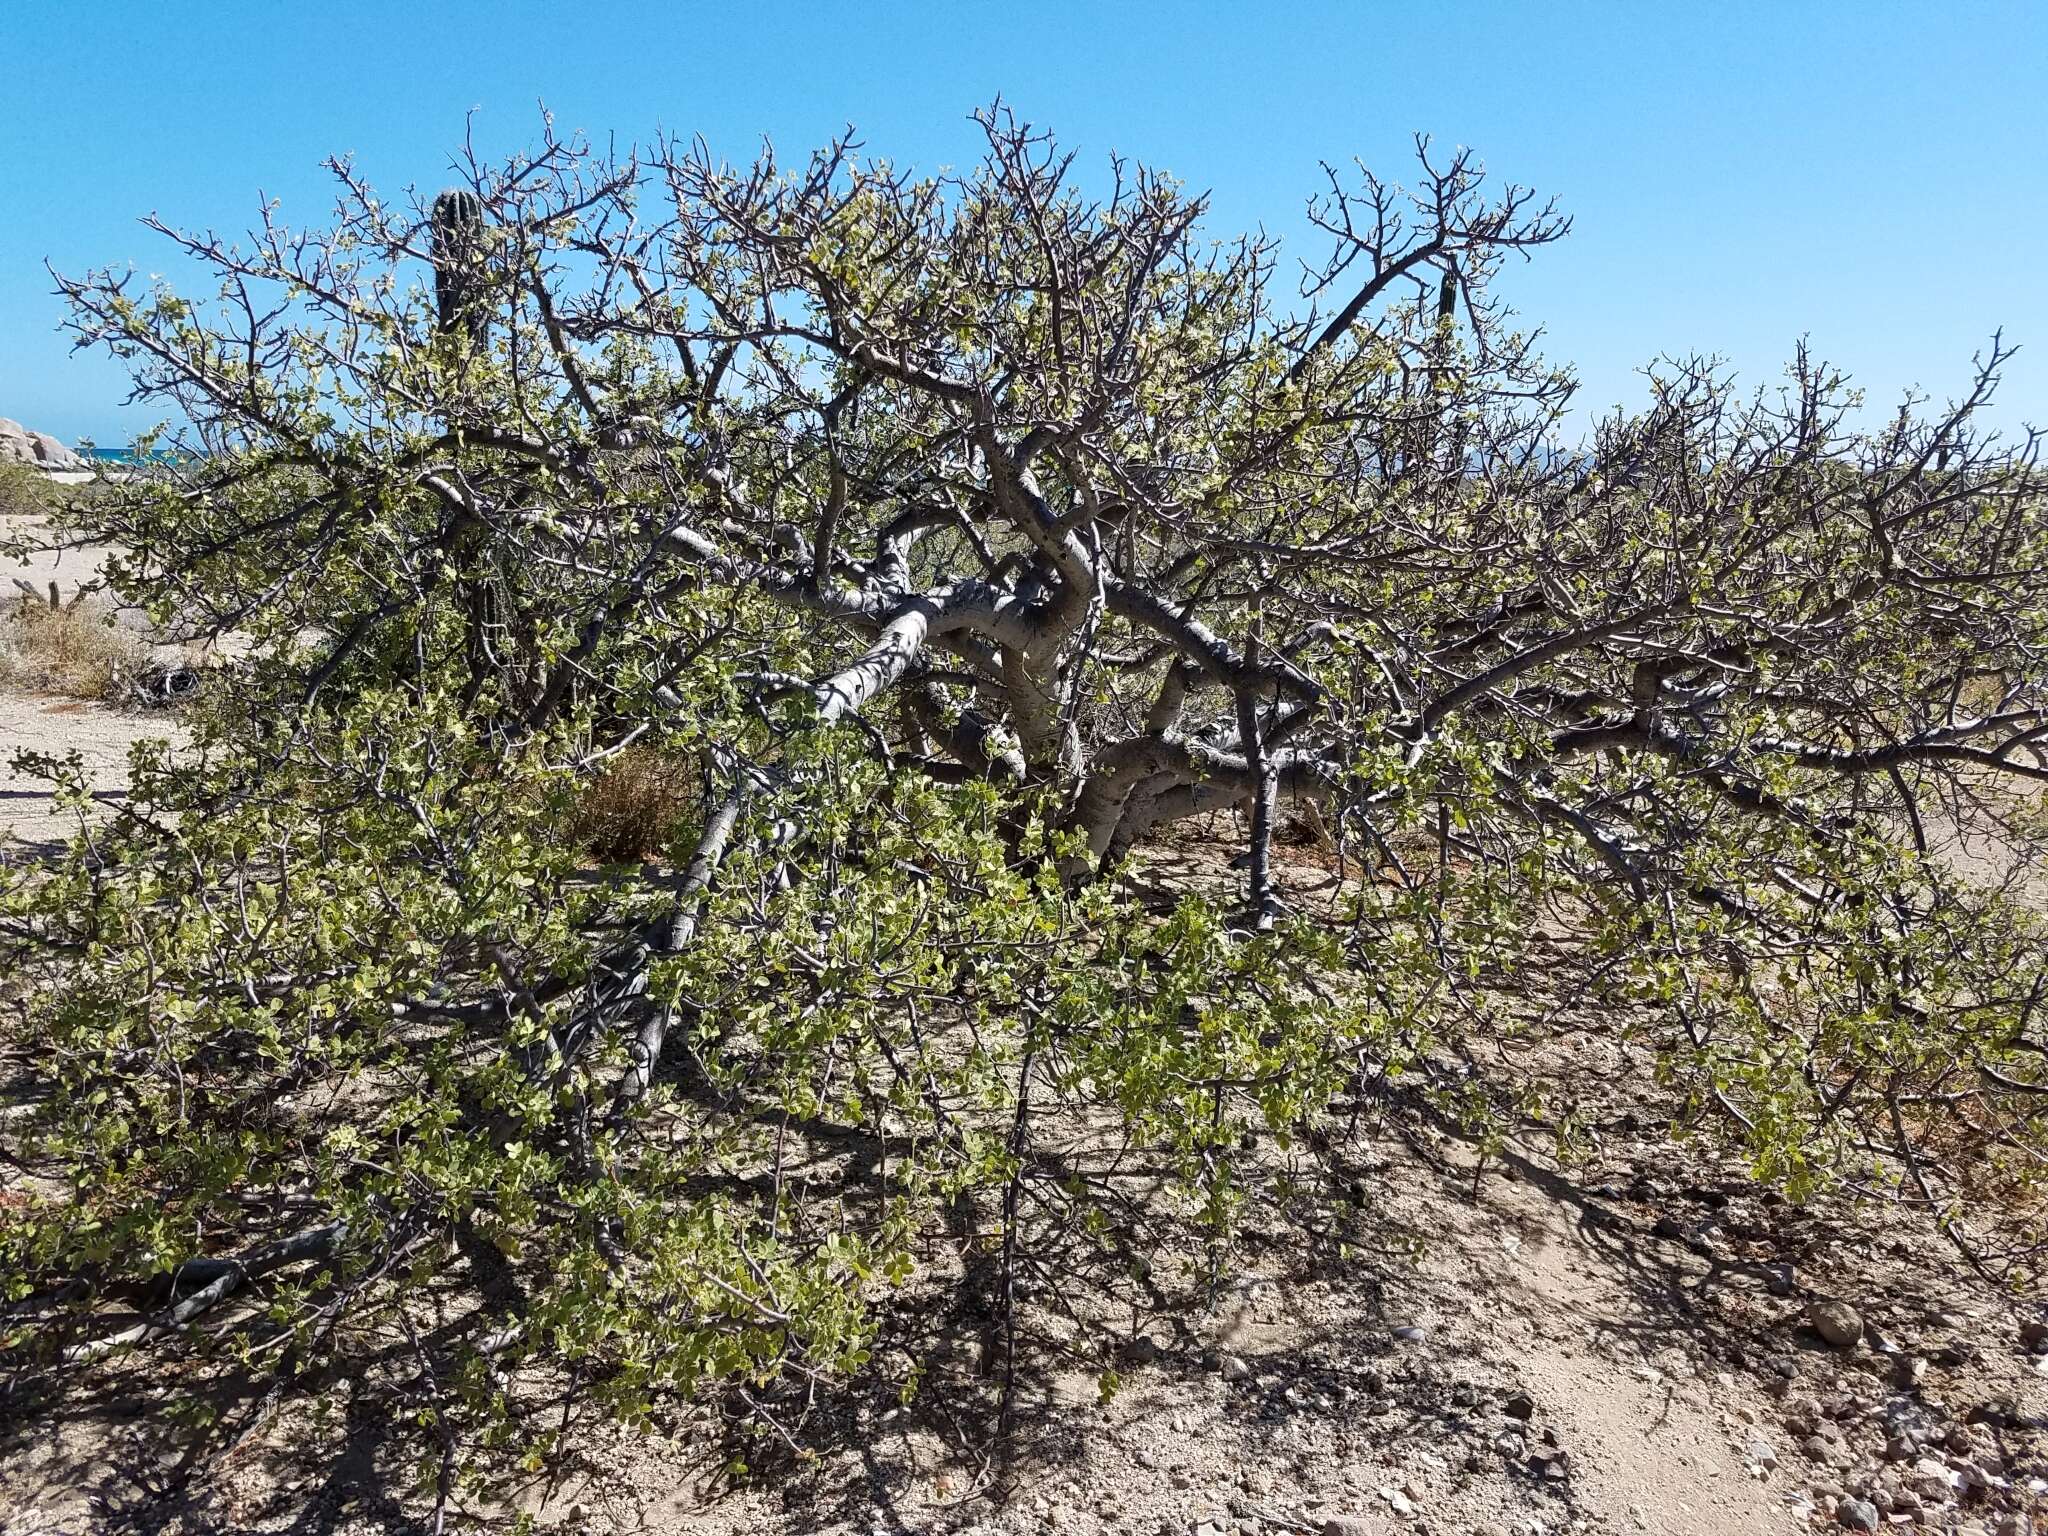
(75, 649)
(631, 809)
(23, 492)
(1303, 824)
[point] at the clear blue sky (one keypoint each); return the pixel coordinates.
(1873, 175)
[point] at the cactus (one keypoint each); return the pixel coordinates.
(458, 262)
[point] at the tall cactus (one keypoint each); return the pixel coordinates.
(458, 262)
(458, 252)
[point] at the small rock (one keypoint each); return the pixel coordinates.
(1856, 1515)
(1520, 1406)
(1346, 1525)
(1510, 1445)
(1408, 1333)
(1234, 1369)
(1835, 1321)
(1778, 1279)
(1759, 1451)
(1143, 1350)
(1397, 1501)
(2034, 1334)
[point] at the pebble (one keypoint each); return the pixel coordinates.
(1408, 1333)
(1346, 1525)
(1520, 1406)
(1759, 1451)
(1856, 1515)
(1835, 1321)
(1778, 1279)
(1235, 1369)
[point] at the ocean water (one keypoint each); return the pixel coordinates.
(130, 456)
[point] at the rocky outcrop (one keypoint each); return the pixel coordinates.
(39, 450)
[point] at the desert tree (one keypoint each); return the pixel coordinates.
(916, 554)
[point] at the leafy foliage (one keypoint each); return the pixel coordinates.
(674, 870)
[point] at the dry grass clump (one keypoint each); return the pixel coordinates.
(72, 648)
(630, 811)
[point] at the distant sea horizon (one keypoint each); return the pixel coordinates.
(131, 456)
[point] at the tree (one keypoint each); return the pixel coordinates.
(958, 537)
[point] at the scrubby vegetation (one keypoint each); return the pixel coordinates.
(23, 492)
(726, 640)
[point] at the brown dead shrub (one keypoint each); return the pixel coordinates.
(74, 648)
(630, 811)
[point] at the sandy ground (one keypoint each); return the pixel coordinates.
(58, 727)
(1615, 1347)
(69, 568)
(101, 736)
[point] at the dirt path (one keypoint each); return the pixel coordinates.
(1651, 1433)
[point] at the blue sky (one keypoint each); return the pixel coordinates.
(1872, 175)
